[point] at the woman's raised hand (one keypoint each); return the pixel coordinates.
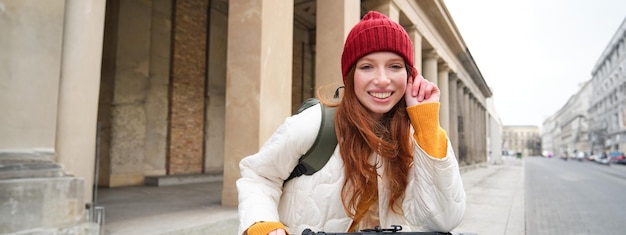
(420, 90)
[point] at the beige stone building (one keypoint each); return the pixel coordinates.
(594, 119)
(607, 102)
(566, 132)
(522, 139)
(112, 93)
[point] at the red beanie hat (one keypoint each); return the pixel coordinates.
(376, 32)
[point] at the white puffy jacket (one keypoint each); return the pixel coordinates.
(434, 198)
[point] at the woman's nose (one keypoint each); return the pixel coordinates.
(382, 78)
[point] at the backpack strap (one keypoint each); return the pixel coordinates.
(325, 142)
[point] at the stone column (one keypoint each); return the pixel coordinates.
(473, 122)
(386, 7)
(258, 73)
(430, 66)
(474, 139)
(416, 38)
(475, 131)
(461, 123)
(470, 131)
(216, 87)
(78, 89)
(483, 138)
(479, 133)
(467, 123)
(444, 99)
(454, 128)
(334, 21)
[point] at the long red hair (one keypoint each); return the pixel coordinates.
(360, 135)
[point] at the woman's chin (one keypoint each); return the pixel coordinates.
(380, 109)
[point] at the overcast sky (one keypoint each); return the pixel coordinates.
(535, 54)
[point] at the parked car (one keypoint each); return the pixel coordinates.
(580, 156)
(592, 157)
(617, 157)
(602, 158)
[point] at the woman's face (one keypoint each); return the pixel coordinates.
(380, 79)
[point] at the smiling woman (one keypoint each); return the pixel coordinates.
(393, 163)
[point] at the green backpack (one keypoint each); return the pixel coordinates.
(325, 142)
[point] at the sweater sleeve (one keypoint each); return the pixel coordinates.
(435, 197)
(263, 228)
(428, 133)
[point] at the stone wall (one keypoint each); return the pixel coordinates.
(134, 92)
(30, 63)
(162, 101)
(187, 90)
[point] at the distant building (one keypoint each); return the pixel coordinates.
(593, 119)
(607, 110)
(521, 139)
(548, 132)
(567, 131)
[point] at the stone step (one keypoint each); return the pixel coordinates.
(166, 180)
(44, 205)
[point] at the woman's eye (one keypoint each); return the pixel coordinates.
(365, 67)
(397, 66)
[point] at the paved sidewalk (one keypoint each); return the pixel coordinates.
(495, 199)
(495, 205)
(172, 210)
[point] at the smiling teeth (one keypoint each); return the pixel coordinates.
(381, 95)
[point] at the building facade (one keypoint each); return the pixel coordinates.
(594, 119)
(567, 131)
(607, 110)
(548, 132)
(521, 140)
(124, 90)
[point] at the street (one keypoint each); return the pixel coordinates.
(573, 197)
